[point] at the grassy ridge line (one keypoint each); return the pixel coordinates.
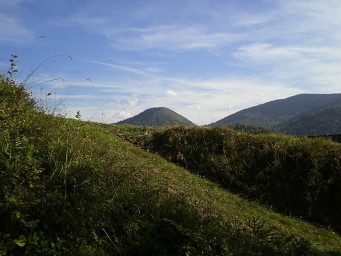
(217, 201)
(212, 202)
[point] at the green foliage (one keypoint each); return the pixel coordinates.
(300, 177)
(250, 129)
(12, 69)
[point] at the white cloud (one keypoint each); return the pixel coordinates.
(124, 114)
(265, 51)
(171, 93)
(133, 102)
(167, 37)
(176, 37)
(58, 84)
(299, 65)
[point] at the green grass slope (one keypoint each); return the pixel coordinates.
(157, 117)
(73, 188)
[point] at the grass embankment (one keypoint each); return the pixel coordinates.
(72, 188)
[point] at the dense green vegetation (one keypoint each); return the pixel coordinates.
(158, 117)
(304, 114)
(296, 176)
(251, 129)
(73, 188)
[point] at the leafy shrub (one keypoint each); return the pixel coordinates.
(297, 176)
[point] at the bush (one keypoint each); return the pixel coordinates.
(297, 176)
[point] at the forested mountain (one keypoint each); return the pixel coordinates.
(303, 114)
(157, 117)
(323, 121)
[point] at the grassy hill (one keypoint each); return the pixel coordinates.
(289, 115)
(69, 187)
(157, 117)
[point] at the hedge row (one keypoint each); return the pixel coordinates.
(297, 176)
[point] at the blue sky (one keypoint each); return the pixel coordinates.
(203, 59)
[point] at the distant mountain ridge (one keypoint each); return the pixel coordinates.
(159, 116)
(323, 121)
(303, 114)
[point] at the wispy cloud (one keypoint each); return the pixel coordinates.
(13, 30)
(265, 52)
(171, 93)
(123, 68)
(82, 20)
(137, 71)
(166, 37)
(176, 37)
(297, 64)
